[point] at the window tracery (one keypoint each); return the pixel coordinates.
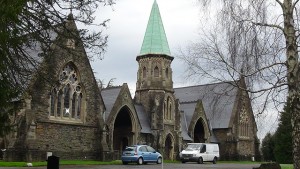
(244, 122)
(66, 101)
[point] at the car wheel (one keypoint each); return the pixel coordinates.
(140, 161)
(159, 160)
(200, 160)
(183, 161)
(125, 163)
(215, 160)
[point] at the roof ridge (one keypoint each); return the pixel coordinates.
(208, 84)
(188, 102)
(112, 87)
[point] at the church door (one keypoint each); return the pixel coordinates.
(199, 132)
(169, 148)
(122, 135)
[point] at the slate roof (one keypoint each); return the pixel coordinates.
(144, 120)
(109, 96)
(218, 101)
(189, 109)
(184, 128)
(155, 39)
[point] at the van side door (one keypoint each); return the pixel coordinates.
(203, 153)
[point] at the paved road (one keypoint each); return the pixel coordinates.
(153, 166)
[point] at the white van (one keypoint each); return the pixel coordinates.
(200, 152)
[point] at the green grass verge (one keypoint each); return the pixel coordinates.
(116, 162)
(287, 166)
(62, 162)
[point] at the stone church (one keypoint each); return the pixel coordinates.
(64, 112)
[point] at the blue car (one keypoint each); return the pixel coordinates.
(141, 154)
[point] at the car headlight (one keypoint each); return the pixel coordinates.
(194, 155)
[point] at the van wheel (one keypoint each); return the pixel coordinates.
(140, 161)
(200, 160)
(215, 160)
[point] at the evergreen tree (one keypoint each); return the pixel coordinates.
(268, 147)
(31, 25)
(283, 138)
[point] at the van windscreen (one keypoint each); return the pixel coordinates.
(193, 147)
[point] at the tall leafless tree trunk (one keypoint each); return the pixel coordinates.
(250, 40)
(292, 74)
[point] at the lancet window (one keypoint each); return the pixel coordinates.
(244, 123)
(156, 72)
(168, 106)
(66, 100)
(167, 72)
(144, 72)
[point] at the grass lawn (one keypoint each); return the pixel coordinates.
(287, 166)
(117, 162)
(62, 162)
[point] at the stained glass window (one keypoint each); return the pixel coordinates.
(67, 102)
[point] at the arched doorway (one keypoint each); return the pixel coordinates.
(199, 133)
(124, 143)
(168, 151)
(122, 135)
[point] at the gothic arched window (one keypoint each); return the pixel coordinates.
(165, 109)
(156, 71)
(144, 72)
(167, 72)
(168, 109)
(244, 122)
(67, 103)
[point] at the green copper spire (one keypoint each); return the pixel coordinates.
(155, 40)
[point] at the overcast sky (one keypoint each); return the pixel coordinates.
(127, 26)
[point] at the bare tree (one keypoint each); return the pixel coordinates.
(102, 85)
(258, 40)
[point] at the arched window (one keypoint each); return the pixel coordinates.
(144, 72)
(167, 73)
(244, 123)
(165, 109)
(168, 109)
(67, 103)
(53, 96)
(156, 72)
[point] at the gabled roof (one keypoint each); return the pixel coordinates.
(218, 102)
(144, 120)
(184, 128)
(155, 39)
(109, 96)
(189, 109)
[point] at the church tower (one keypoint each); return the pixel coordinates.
(154, 87)
(155, 58)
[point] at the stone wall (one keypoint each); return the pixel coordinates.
(68, 138)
